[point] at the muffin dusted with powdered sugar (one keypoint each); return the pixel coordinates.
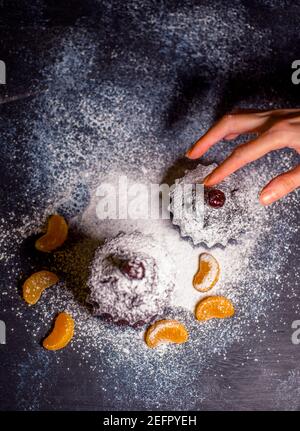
(130, 282)
(218, 215)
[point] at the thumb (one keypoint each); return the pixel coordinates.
(280, 186)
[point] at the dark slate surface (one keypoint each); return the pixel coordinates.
(259, 67)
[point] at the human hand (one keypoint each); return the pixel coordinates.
(274, 130)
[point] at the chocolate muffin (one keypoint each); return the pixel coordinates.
(130, 280)
(218, 214)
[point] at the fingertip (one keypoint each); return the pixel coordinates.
(267, 197)
(197, 150)
(262, 202)
(210, 180)
(190, 154)
(206, 180)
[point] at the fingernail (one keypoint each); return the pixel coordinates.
(267, 197)
(189, 153)
(207, 179)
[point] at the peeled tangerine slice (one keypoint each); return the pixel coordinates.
(207, 274)
(214, 307)
(61, 334)
(166, 331)
(57, 232)
(36, 284)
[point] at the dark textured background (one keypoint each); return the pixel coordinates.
(238, 68)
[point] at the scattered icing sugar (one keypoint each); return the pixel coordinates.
(243, 279)
(91, 128)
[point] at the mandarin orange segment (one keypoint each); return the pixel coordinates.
(34, 286)
(214, 307)
(208, 273)
(61, 334)
(57, 232)
(166, 331)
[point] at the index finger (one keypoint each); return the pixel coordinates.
(232, 124)
(243, 155)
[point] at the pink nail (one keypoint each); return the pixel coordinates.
(206, 180)
(267, 197)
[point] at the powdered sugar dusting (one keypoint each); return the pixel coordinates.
(240, 212)
(91, 127)
(125, 298)
(243, 280)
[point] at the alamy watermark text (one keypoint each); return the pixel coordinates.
(296, 74)
(2, 332)
(296, 333)
(2, 72)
